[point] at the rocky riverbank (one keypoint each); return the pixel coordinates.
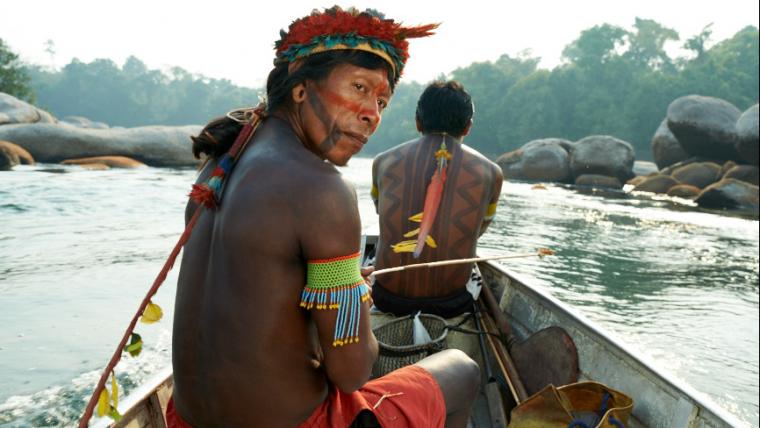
(28, 134)
(705, 150)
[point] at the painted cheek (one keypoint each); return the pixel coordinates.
(334, 98)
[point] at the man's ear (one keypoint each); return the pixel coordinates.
(298, 93)
(419, 125)
(467, 128)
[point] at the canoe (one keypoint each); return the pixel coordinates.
(661, 401)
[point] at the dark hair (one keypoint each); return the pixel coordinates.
(217, 136)
(444, 107)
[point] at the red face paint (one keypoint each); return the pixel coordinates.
(335, 98)
(381, 90)
(355, 107)
(344, 110)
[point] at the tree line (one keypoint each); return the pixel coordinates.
(612, 81)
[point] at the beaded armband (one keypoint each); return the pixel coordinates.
(337, 284)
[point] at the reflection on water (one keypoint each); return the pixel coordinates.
(79, 249)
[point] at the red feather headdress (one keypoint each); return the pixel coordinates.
(336, 28)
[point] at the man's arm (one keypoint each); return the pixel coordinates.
(498, 179)
(337, 296)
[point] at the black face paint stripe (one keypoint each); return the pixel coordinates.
(333, 133)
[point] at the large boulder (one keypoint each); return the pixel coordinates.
(602, 155)
(669, 170)
(13, 110)
(656, 184)
(746, 173)
(7, 162)
(595, 180)
(539, 160)
(686, 191)
(665, 147)
(704, 126)
(727, 166)
(747, 135)
(730, 194)
(108, 161)
(17, 153)
(152, 145)
(635, 181)
(82, 122)
(644, 168)
(699, 174)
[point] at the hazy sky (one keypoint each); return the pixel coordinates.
(234, 40)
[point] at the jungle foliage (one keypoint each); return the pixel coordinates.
(612, 80)
(14, 80)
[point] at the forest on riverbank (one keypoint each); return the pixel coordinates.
(613, 81)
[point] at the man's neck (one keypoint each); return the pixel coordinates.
(448, 137)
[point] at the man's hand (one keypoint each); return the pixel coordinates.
(366, 272)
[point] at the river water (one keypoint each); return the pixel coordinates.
(79, 249)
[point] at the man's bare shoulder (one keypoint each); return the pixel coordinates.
(469, 151)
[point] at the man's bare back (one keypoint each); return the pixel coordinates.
(402, 174)
(440, 193)
(240, 265)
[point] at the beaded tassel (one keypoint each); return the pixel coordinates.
(336, 284)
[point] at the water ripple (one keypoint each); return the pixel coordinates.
(79, 249)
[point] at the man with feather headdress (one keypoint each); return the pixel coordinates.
(271, 325)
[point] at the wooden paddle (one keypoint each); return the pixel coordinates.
(548, 356)
(507, 365)
(493, 396)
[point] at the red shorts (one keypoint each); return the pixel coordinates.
(173, 419)
(407, 397)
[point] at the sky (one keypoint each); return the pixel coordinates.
(235, 40)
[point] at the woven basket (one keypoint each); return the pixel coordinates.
(396, 341)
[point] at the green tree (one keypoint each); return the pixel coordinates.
(134, 95)
(698, 43)
(595, 46)
(647, 45)
(14, 79)
(489, 83)
(728, 70)
(612, 81)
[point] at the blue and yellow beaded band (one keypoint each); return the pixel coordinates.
(337, 283)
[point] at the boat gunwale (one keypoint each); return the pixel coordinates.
(537, 292)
